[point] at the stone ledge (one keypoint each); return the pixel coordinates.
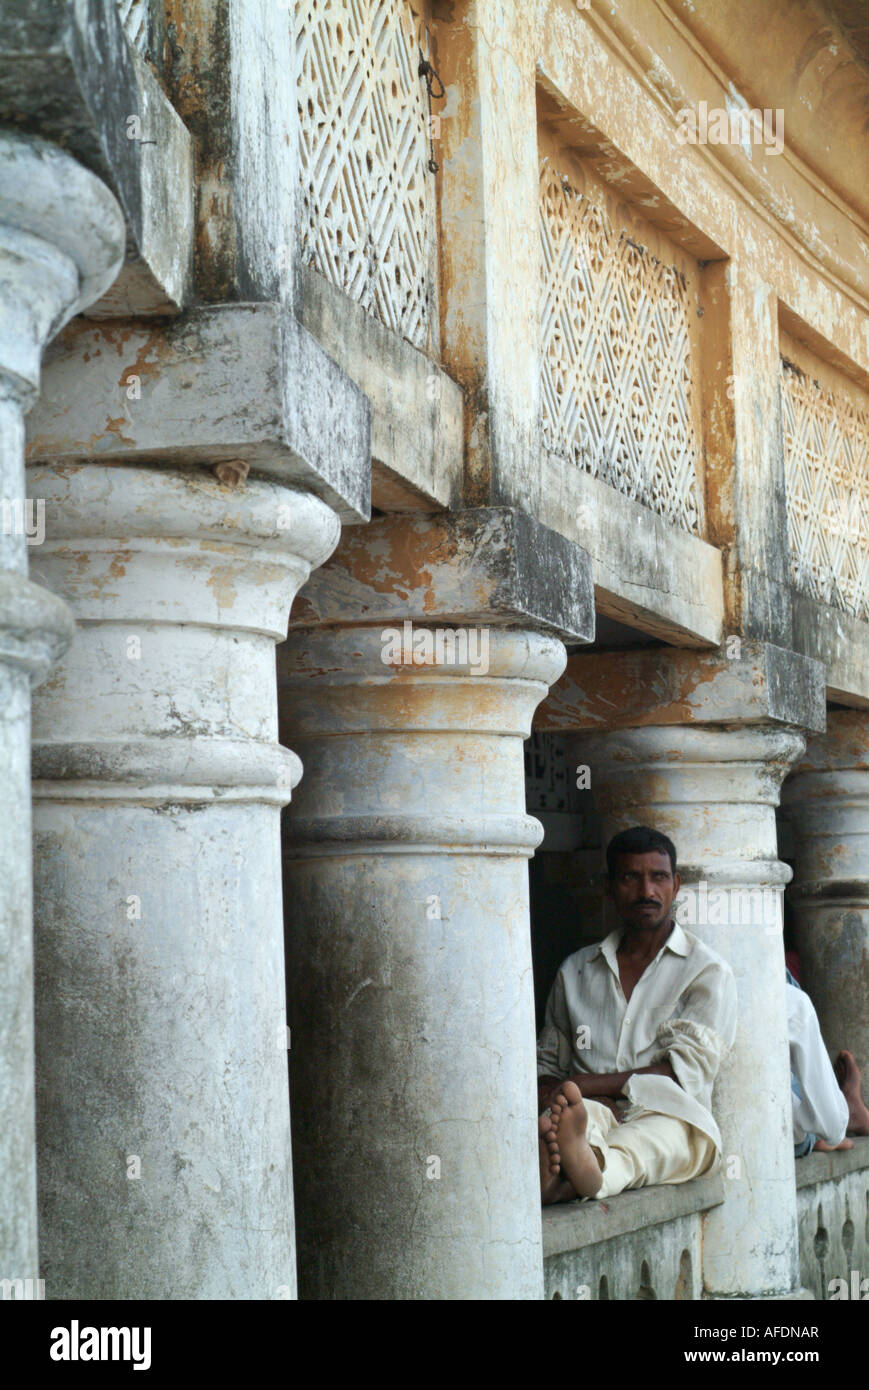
(820, 1167)
(647, 573)
(417, 431)
(576, 1224)
(838, 640)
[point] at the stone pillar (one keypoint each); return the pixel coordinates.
(827, 803)
(163, 1116)
(411, 999)
(709, 742)
(61, 245)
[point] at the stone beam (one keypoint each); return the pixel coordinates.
(231, 74)
(485, 565)
(223, 383)
(68, 73)
(490, 245)
(745, 481)
(669, 686)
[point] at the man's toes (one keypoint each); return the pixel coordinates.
(572, 1093)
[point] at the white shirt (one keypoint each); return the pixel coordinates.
(682, 1010)
(822, 1109)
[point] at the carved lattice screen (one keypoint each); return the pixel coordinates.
(367, 197)
(616, 360)
(826, 446)
(136, 19)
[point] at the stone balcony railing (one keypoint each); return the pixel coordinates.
(641, 1245)
(833, 1214)
(647, 1244)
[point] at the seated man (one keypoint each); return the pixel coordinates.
(634, 1031)
(826, 1102)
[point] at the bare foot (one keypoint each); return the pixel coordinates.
(578, 1162)
(550, 1162)
(822, 1147)
(850, 1084)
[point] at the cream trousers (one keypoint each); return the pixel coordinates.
(646, 1148)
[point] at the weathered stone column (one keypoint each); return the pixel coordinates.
(711, 741)
(163, 1116)
(61, 245)
(411, 999)
(827, 803)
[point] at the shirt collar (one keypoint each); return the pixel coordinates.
(677, 942)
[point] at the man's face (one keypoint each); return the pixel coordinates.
(643, 889)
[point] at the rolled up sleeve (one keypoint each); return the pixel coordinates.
(701, 1030)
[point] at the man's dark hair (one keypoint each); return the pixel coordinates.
(640, 839)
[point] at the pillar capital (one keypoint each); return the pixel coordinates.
(712, 789)
(425, 726)
(61, 246)
(169, 574)
(36, 627)
(826, 802)
(69, 71)
(843, 745)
